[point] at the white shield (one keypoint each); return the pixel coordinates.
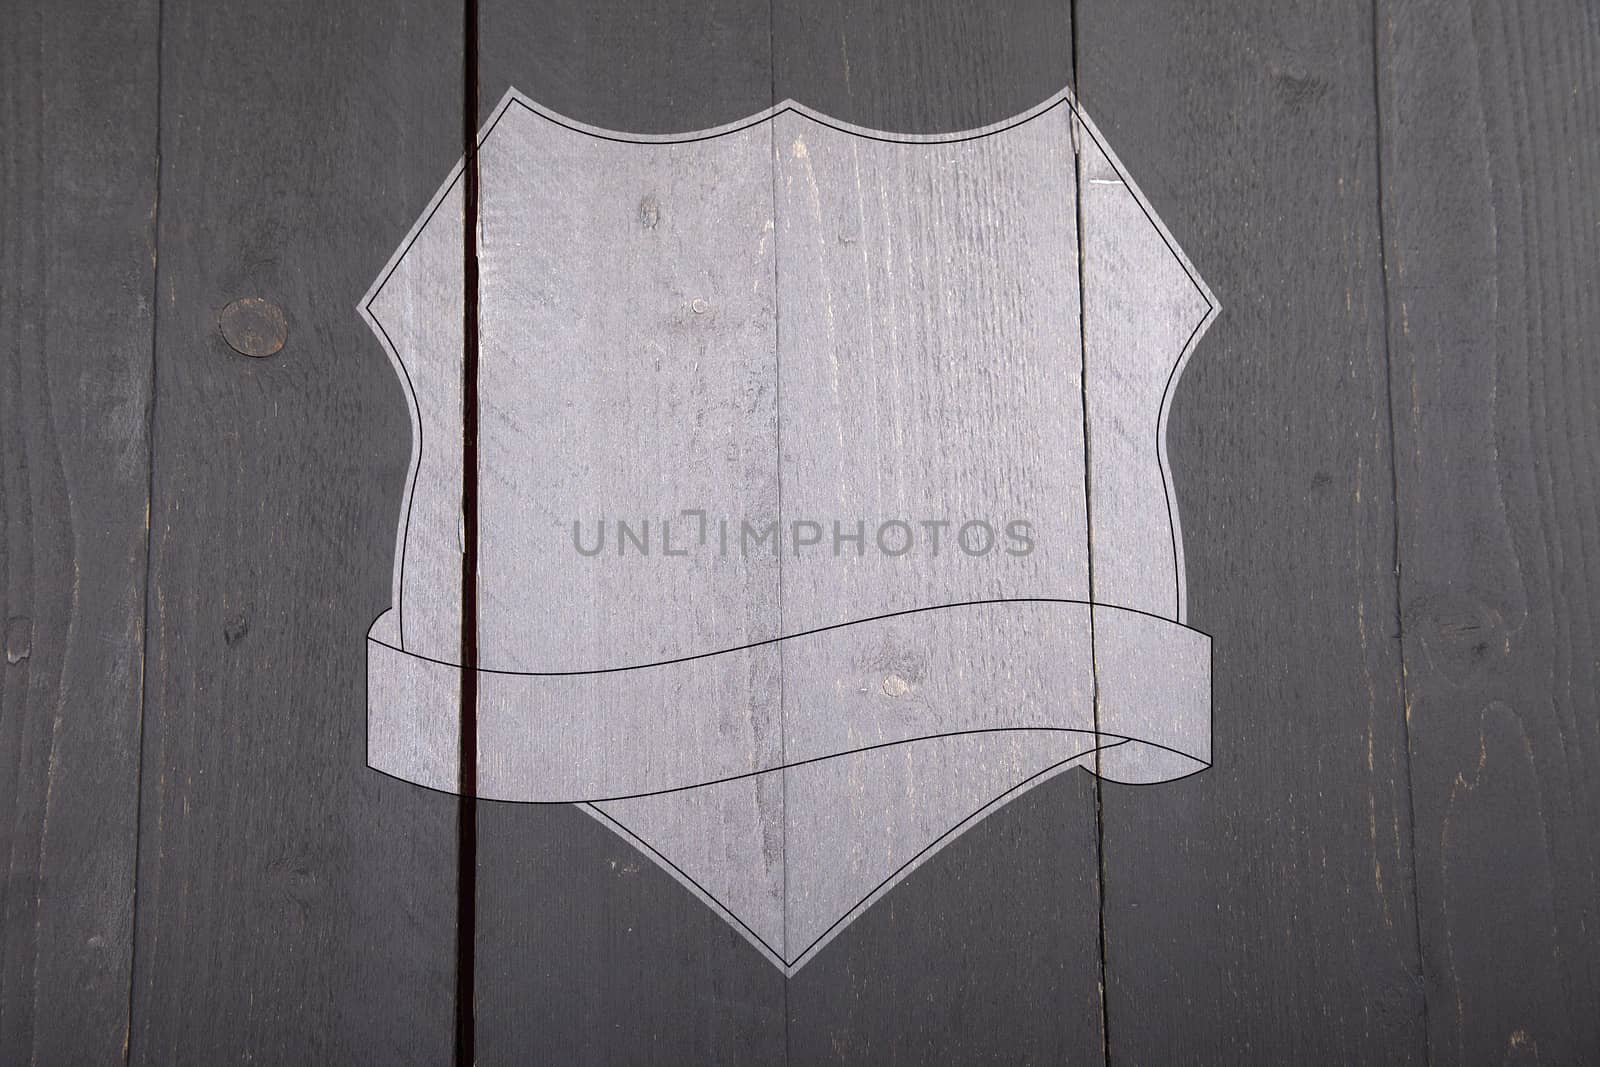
(823, 495)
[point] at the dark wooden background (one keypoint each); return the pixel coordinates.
(1387, 453)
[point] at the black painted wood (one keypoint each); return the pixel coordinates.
(1490, 115)
(663, 67)
(1262, 912)
(933, 67)
(77, 189)
(293, 905)
(988, 953)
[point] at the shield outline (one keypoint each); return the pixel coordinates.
(1082, 126)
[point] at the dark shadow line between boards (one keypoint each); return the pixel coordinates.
(467, 723)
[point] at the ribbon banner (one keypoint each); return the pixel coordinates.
(823, 496)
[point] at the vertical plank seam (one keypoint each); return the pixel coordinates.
(777, 412)
(1394, 495)
(1088, 516)
(467, 808)
(149, 551)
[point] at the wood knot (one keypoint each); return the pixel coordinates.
(1297, 85)
(254, 327)
(895, 686)
(1461, 635)
(235, 628)
(19, 639)
(649, 211)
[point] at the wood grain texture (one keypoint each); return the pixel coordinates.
(667, 66)
(989, 951)
(1403, 637)
(611, 936)
(1492, 235)
(1262, 911)
(935, 66)
(588, 952)
(77, 193)
(294, 906)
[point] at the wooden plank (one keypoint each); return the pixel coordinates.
(989, 950)
(934, 67)
(1262, 911)
(609, 935)
(669, 66)
(1490, 202)
(294, 905)
(78, 175)
(587, 951)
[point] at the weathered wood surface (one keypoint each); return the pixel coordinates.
(881, 990)
(937, 970)
(1491, 209)
(293, 906)
(77, 260)
(619, 963)
(1263, 911)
